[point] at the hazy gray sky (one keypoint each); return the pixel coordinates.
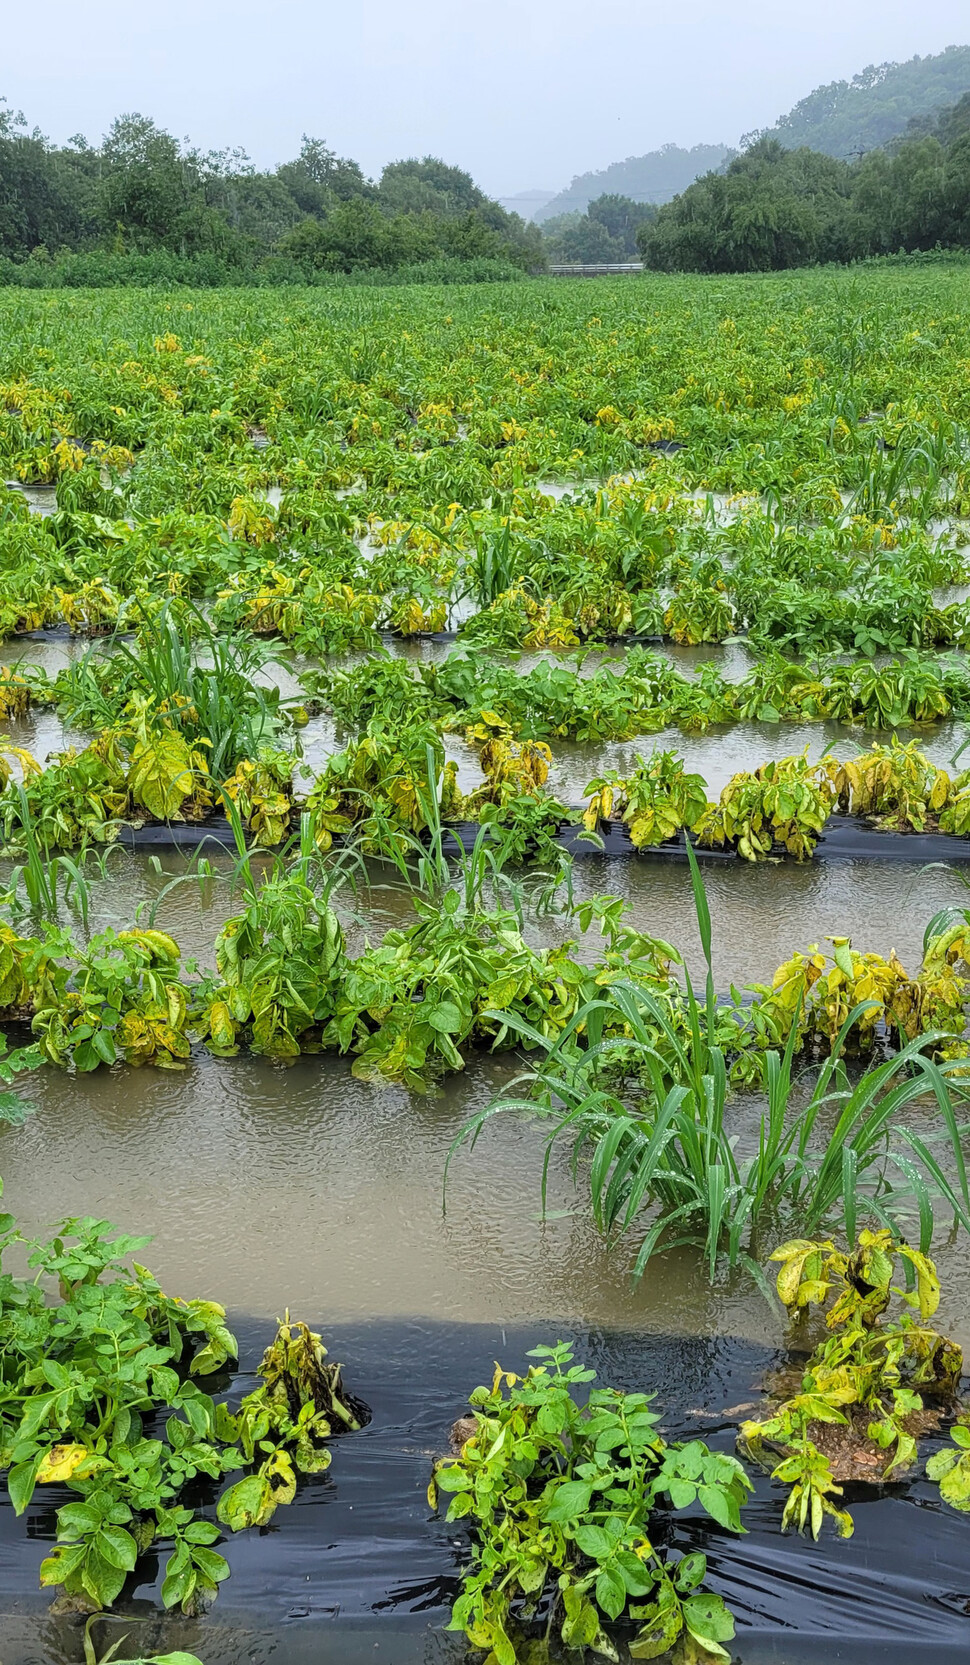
(521, 92)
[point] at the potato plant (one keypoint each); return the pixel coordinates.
(655, 802)
(786, 802)
(861, 1403)
(818, 994)
(894, 786)
(101, 1394)
(566, 1502)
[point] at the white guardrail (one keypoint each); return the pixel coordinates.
(595, 271)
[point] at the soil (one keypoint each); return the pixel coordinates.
(462, 1431)
(853, 1455)
(898, 824)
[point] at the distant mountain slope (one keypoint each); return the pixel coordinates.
(845, 118)
(655, 177)
(526, 203)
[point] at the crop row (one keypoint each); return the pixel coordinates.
(159, 676)
(463, 974)
(642, 694)
(561, 1482)
(635, 560)
(163, 758)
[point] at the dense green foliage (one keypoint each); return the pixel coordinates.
(769, 209)
(561, 1497)
(163, 268)
(605, 233)
(776, 207)
(112, 213)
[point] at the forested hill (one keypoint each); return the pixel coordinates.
(843, 119)
(772, 208)
(847, 118)
(656, 177)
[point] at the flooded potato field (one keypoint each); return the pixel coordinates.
(485, 977)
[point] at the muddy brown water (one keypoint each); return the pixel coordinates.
(760, 913)
(265, 1187)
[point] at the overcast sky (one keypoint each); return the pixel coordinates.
(523, 93)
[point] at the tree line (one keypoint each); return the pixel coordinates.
(772, 208)
(605, 234)
(142, 192)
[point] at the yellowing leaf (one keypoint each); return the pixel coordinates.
(161, 776)
(60, 1462)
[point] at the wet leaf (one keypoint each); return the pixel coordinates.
(60, 1462)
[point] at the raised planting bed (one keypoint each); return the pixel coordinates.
(845, 838)
(358, 1568)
